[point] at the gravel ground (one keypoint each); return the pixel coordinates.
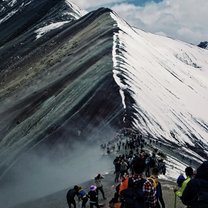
(58, 200)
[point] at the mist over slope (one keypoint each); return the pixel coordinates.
(67, 76)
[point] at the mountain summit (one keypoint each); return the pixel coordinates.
(70, 76)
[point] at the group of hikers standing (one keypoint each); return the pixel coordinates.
(136, 176)
(123, 164)
(135, 189)
(84, 196)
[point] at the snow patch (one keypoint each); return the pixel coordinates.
(8, 16)
(116, 72)
(76, 9)
(75, 15)
(12, 3)
(42, 31)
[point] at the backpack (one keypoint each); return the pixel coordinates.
(153, 180)
(82, 193)
(180, 180)
(133, 196)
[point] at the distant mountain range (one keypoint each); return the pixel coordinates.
(68, 75)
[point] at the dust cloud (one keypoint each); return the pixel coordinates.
(40, 175)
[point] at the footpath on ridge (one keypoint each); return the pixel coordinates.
(58, 200)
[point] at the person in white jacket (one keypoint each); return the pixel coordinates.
(98, 183)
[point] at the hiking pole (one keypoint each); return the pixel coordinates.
(175, 201)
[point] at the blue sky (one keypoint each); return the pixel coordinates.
(141, 2)
(185, 20)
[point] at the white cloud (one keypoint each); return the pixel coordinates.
(185, 20)
(181, 19)
(91, 4)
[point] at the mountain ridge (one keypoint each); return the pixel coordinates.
(32, 105)
(54, 54)
(85, 79)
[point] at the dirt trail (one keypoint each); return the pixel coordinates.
(58, 200)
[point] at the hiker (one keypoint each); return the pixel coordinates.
(140, 192)
(124, 183)
(150, 164)
(196, 193)
(92, 195)
(98, 183)
(117, 165)
(123, 168)
(108, 150)
(70, 196)
(147, 169)
(162, 167)
(115, 201)
(82, 196)
(189, 173)
(155, 182)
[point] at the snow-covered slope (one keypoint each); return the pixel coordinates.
(168, 79)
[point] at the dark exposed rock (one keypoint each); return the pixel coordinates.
(203, 44)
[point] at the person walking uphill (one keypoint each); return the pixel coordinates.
(70, 196)
(155, 182)
(196, 193)
(189, 174)
(140, 193)
(92, 195)
(98, 183)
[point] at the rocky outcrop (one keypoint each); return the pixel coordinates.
(203, 44)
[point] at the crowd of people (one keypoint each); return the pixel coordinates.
(136, 176)
(136, 179)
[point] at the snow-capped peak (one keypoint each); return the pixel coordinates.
(75, 8)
